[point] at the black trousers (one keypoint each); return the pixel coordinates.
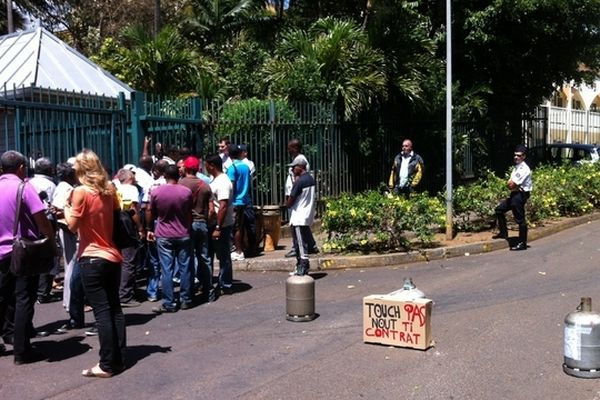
(101, 280)
(302, 236)
(17, 300)
(516, 204)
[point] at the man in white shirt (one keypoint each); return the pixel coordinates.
(294, 148)
(44, 185)
(520, 185)
(226, 162)
(220, 222)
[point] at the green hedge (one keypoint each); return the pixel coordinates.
(377, 222)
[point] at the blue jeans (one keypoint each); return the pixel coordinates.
(200, 240)
(76, 297)
(222, 249)
(101, 279)
(153, 271)
(172, 252)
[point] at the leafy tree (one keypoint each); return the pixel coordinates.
(163, 65)
(514, 52)
(331, 61)
(211, 23)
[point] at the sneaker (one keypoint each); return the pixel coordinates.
(186, 306)
(226, 290)
(290, 254)
(152, 299)
(235, 256)
(131, 303)
(176, 280)
(93, 331)
(162, 309)
(314, 250)
(68, 327)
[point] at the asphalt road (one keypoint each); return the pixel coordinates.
(497, 322)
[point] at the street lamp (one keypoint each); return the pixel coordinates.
(449, 233)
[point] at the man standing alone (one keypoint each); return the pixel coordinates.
(301, 202)
(520, 185)
(407, 171)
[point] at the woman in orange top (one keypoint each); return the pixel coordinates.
(90, 212)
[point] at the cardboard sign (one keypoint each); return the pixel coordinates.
(387, 320)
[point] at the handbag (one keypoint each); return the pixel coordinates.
(29, 256)
(124, 230)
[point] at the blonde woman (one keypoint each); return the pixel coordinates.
(90, 212)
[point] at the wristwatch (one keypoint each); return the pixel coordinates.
(218, 227)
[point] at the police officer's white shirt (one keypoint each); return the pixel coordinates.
(521, 175)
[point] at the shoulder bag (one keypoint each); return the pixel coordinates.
(29, 256)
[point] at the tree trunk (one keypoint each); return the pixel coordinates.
(10, 26)
(157, 19)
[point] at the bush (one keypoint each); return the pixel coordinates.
(372, 221)
(474, 204)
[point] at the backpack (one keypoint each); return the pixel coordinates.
(124, 230)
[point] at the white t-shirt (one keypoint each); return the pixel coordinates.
(303, 208)
(289, 182)
(222, 189)
(250, 165)
(129, 195)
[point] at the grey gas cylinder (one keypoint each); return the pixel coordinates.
(300, 298)
(408, 292)
(582, 341)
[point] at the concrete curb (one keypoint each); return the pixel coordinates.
(332, 262)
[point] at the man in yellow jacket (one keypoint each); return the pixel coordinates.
(407, 170)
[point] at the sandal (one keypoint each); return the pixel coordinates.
(96, 372)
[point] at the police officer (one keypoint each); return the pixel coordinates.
(520, 185)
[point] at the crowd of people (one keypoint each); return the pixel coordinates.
(180, 213)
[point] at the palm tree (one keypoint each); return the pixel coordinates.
(212, 22)
(331, 61)
(163, 65)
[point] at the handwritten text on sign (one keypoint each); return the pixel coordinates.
(402, 323)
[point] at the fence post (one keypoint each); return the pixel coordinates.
(274, 194)
(137, 128)
(198, 132)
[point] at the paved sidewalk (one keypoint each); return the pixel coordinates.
(276, 260)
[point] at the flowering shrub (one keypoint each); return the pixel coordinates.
(372, 221)
(564, 191)
(473, 205)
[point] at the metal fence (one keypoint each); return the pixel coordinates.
(58, 124)
(266, 126)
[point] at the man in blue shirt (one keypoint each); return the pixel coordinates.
(239, 174)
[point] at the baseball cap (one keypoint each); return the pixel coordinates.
(301, 162)
(243, 147)
(129, 167)
(191, 163)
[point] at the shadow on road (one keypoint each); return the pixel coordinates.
(137, 353)
(239, 287)
(59, 350)
(318, 275)
(138, 319)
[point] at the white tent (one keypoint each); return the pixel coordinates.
(38, 58)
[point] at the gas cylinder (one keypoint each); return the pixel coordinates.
(300, 298)
(408, 292)
(582, 341)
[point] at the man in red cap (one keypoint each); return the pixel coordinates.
(201, 206)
